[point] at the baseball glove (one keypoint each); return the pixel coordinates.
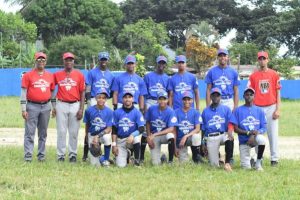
(95, 149)
(251, 141)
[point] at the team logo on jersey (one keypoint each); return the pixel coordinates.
(200, 120)
(182, 87)
(158, 87)
(251, 122)
(216, 121)
(222, 81)
(159, 124)
(68, 83)
(42, 84)
(98, 123)
(264, 86)
(102, 83)
(130, 87)
(185, 126)
(125, 123)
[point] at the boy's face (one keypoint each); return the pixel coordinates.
(162, 102)
(128, 100)
(101, 99)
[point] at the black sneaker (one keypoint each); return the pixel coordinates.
(73, 159)
(136, 162)
(274, 163)
(163, 158)
(61, 159)
(252, 163)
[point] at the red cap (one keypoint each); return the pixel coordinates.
(262, 54)
(68, 55)
(39, 54)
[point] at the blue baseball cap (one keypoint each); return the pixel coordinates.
(180, 58)
(215, 90)
(161, 58)
(102, 91)
(127, 92)
(130, 59)
(163, 94)
(249, 89)
(187, 94)
(104, 55)
(222, 51)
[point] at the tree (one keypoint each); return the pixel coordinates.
(145, 37)
(59, 18)
(283, 66)
(246, 52)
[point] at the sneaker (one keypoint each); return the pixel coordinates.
(136, 162)
(252, 163)
(73, 159)
(105, 163)
(28, 161)
(61, 159)
(170, 162)
(163, 158)
(231, 161)
(227, 167)
(258, 165)
(41, 159)
(84, 158)
(274, 163)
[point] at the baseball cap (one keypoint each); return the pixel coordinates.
(163, 94)
(102, 91)
(104, 55)
(40, 54)
(161, 58)
(95, 150)
(262, 54)
(187, 94)
(180, 58)
(130, 59)
(215, 90)
(249, 88)
(128, 92)
(222, 51)
(68, 55)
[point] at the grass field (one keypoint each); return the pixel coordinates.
(52, 180)
(10, 116)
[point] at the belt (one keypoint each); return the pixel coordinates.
(41, 103)
(123, 136)
(70, 102)
(215, 134)
(226, 97)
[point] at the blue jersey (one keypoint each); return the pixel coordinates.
(129, 82)
(98, 119)
(249, 118)
(99, 80)
(156, 83)
(160, 119)
(187, 122)
(216, 119)
(179, 83)
(223, 78)
(127, 123)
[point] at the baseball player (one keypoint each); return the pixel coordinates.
(160, 126)
(37, 89)
(98, 123)
(181, 82)
(69, 107)
(129, 81)
(188, 130)
(128, 124)
(216, 129)
(226, 79)
(266, 83)
(156, 82)
(250, 124)
(97, 79)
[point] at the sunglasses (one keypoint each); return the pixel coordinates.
(41, 60)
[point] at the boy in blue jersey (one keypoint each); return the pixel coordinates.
(181, 82)
(225, 78)
(129, 81)
(98, 125)
(160, 123)
(128, 124)
(216, 129)
(250, 124)
(156, 82)
(188, 130)
(97, 79)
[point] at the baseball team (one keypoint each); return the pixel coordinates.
(153, 110)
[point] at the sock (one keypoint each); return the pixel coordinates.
(136, 150)
(171, 148)
(195, 153)
(106, 152)
(260, 152)
(228, 150)
(85, 147)
(143, 147)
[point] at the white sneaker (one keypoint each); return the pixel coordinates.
(105, 163)
(258, 166)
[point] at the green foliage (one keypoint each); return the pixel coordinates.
(247, 52)
(284, 66)
(83, 46)
(144, 37)
(140, 68)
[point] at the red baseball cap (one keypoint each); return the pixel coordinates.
(262, 54)
(68, 55)
(40, 54)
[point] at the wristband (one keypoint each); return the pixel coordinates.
(113, 144)
(248, 133)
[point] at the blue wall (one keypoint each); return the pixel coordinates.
(10, 83)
